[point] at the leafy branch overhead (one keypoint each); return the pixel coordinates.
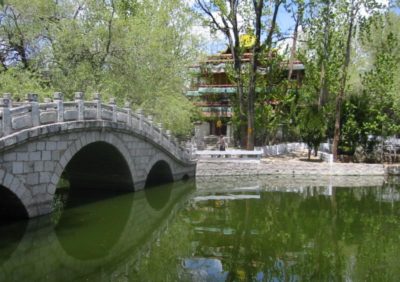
(131, 50)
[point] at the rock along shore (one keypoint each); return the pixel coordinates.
(294, 167)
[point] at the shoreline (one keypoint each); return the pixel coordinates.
(289, 167)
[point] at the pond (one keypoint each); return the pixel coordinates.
(217, 229)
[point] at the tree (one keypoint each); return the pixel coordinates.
(130, 50)
(379, 84)
(223, 16)
(351, 18)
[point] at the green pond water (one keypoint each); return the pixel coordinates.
(217, 229)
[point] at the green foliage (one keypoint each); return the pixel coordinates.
(379, 83)
(312, 126)
(19, 82)
(129, 50)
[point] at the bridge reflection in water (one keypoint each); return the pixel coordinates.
(227, 229)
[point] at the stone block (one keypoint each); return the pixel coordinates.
(48, 117)
(90, 114)
(10, 157)
(15, 185)
(22, 136)
(51, 145)
(34, 132)
(7, 180)
(106, 115)
(10, 141)
(62, 145)
(43, 130)
(22, 156)
(51, 189)
(32, 146)
(54, 180)
(32, 178)
(21, 122)
(49, 166)
(1, 175)
(44, 177)
(55, 155)
(34, 156)
(39, 166)
(28, 167)
(41, 146)
(70, 115)
(46, 155)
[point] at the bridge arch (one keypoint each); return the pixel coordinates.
(159, 171)
(14, 197)
(98, 148)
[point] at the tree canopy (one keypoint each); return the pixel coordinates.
(130, 50)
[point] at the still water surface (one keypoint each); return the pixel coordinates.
(267, 229)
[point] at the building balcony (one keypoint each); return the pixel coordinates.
(216, 111)
(212, 89)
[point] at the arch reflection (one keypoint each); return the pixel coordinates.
(90, 231)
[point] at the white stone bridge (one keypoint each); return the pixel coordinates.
(93, 145)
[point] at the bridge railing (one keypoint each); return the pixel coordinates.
(18, 116)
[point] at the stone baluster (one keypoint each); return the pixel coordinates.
(9, 99)
(168, 133)
(5, 118)
(114, 109)
(58, 99)
(97, 100)
(160, 127)
(80, 105)
(33, 99)
(127, 107)
(150, 119)
(139, 112)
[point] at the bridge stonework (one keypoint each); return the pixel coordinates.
(39, 140)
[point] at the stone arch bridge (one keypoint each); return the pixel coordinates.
(93, 145)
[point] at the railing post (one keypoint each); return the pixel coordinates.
(58, 99)
(80, 105)
(168, 133)
(140, 114)
(127, 107)
(160, 127)
(97, 100)
(5, 117)
(150, 119)
(8, 97)
(33, 99)
(114, 109)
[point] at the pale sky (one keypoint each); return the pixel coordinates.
(213, 43)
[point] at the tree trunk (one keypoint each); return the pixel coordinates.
(339, 98)
(294, 44)
(258, 8)
(323, 93)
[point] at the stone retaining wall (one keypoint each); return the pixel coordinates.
(296, 168)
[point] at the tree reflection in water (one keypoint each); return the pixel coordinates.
(227, 230)
(263, 233)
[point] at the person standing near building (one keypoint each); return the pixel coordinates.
(221, 143)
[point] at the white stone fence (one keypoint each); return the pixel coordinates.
(17, 116)
(284, 148)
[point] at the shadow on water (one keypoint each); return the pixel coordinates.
(96, 220)
(159, 196)
(11, 234)
(90, 240)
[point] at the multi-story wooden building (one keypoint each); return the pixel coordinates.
(212, 91)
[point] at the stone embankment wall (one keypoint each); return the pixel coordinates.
(220, 167)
